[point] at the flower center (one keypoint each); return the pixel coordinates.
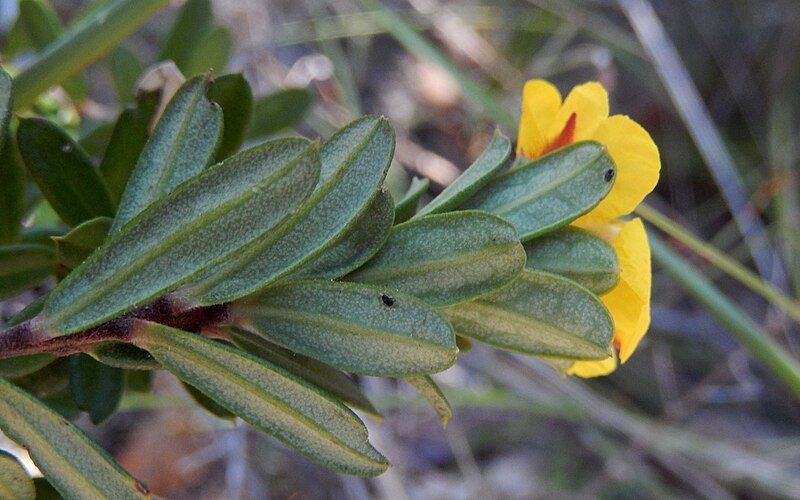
(565, 137)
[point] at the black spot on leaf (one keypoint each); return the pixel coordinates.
(387, 300)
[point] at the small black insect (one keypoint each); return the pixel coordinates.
(609, 175)
(387, 300)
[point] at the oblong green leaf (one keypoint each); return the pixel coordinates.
(234, 96)
(19, 366)
(207, 403)
(96, 388)
(43, 27)
(407, 206)
(207, 219)
(540, 314)
(125, 72)
(212, 52)
(575, 254)
(5, 103)
(193, 22)
(182, 145)
(83, 43)
(356, 328)
(123, 355)
(355, 245)
(75, 246)
(324, 377)
(280, 110)
(480, 173)
(23, 265)
(63, 171)
(76, 466)
(14, 481)
(126, 143)
(447, 258)
(12, 189)
(551, 191)
(267, 397)
(429, 390)
(353, 165)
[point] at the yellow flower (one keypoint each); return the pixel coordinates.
(549, 123)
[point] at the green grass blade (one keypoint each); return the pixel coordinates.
(785, 367)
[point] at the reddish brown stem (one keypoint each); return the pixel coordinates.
(25, 339)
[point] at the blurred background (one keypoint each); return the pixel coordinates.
(700, 410)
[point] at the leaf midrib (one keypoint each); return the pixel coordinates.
(257, 247)
(171, 241)
(223, 373)
(531, 195)
(415, 269)
(493, 308)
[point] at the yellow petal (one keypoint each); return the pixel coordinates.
(638, 165)
(589, 102)
(588, 369)
(629, 301)
(540, 103)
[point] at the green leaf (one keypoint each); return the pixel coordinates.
(233, 94)
(267, 397)
(45, 490)
(23, 265)
(194, 21)
(353, 165)
(12, 189)
(207, 403)
(47, 382)
(126, 143)
(123, 355)
(5, 103)
(480, 173)
(19, 366)
(75, 246)
(407, 206)
(43, 27)
(280, 110)
(76, 466)
(324, 377)
(204, 221)
(212, 52)
(575, 254)
(139, 380)
(447, 258)
(29, 312)
(125, 72)
(63, 171)
(551, 191)
(14, 481)
(356, 328)
(96, 388)
(539, 314)
(181, 146)
(425, 385)
(356, 244)
(82, 44)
